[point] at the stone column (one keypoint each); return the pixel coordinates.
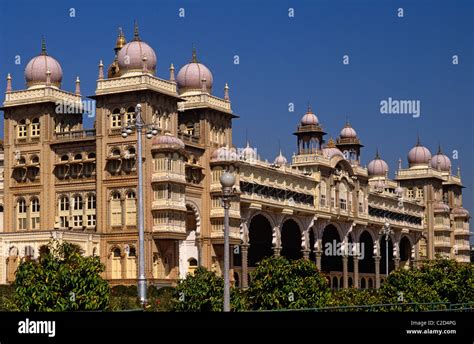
(396, 261)
(276, 251)
(245, 250)
(377, 272)
(306, 253)
(318, 255)
(344, 272)
(356, 271)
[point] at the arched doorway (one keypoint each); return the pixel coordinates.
(366, 261)
(331, 259)
(291, 240)
(188, 248)
(405, 252)
(260, 240)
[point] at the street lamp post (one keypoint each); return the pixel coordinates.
(227, 180)
(139, 126)
(386, 231)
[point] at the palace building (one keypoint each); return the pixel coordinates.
(67, 182)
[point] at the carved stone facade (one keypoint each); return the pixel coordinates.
(80, 185)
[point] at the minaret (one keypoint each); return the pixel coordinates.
(226, 92)
(172, 73)
(9, 83)
(78, 86)
(101, 70)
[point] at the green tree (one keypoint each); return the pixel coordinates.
(204, 292)
(61, 279)
(453, 281)
(408, 286)
(281, 284)
(355, 297)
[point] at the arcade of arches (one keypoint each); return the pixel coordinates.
(348, 255)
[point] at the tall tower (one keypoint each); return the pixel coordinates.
(349, 144)
(310, 134)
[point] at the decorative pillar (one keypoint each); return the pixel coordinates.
(344, 271)
(9, 83)
(78, 87)
(276, 241)
(226, 92)
(377, 272)
(396, 261)
(306, 253)
(245, 250)
(318, 255)
(356, 270)
(101, 70)
(172, 73)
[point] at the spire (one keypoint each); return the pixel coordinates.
(418, 142)
(377, 155)
(172, 73)
(347, 122)
(78, 86)
(136, 35)
(399, 163)
(439, 149)
(226, 92)
(194, 58)
(247, 137)
(309, 109)
(101, 70)
(459, 172)
(9, 83)
(43, 46)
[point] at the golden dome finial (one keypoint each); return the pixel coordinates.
(121, 41)
(331, 143)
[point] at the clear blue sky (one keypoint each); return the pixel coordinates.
(284, 60)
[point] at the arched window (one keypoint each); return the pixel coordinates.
(322, 192)
(116, 152)
(115, 119)
(130, 116)
(34, 159)
(78, 157)
(35, 213)
(116, 263)
(64, 158)
(343, 196)
(21, 129)
(131, 209)
(29, 252)
(132, 263)
(91, 155)
(63, 204)
(21, 210)
(91, 202)
(22, 160)
(192, 265)
(77, 202)
(35, 128)
(116, 210)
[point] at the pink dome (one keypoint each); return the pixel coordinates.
(248, 153)
(309, 118)
(331, 150)
(377, 167)
(190, 76)
(36, 69)
(418, 155)
(348, 132)
(167, 141)
(399, 190)
(440, 207)
(224, 154)
(280, 160)
(130, 57)
(460, 212)
(441, 161)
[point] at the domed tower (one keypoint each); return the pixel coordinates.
(136, 57)
(168, 183)
(43, 70)
(194, 77)
(309, 134)
(349, 144)
(377, 167)
(280, 160)
(441, 162)
(419, 156)
(114, 71)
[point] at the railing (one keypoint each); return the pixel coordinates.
(43, 92)
(145, 79)
(74, 135)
